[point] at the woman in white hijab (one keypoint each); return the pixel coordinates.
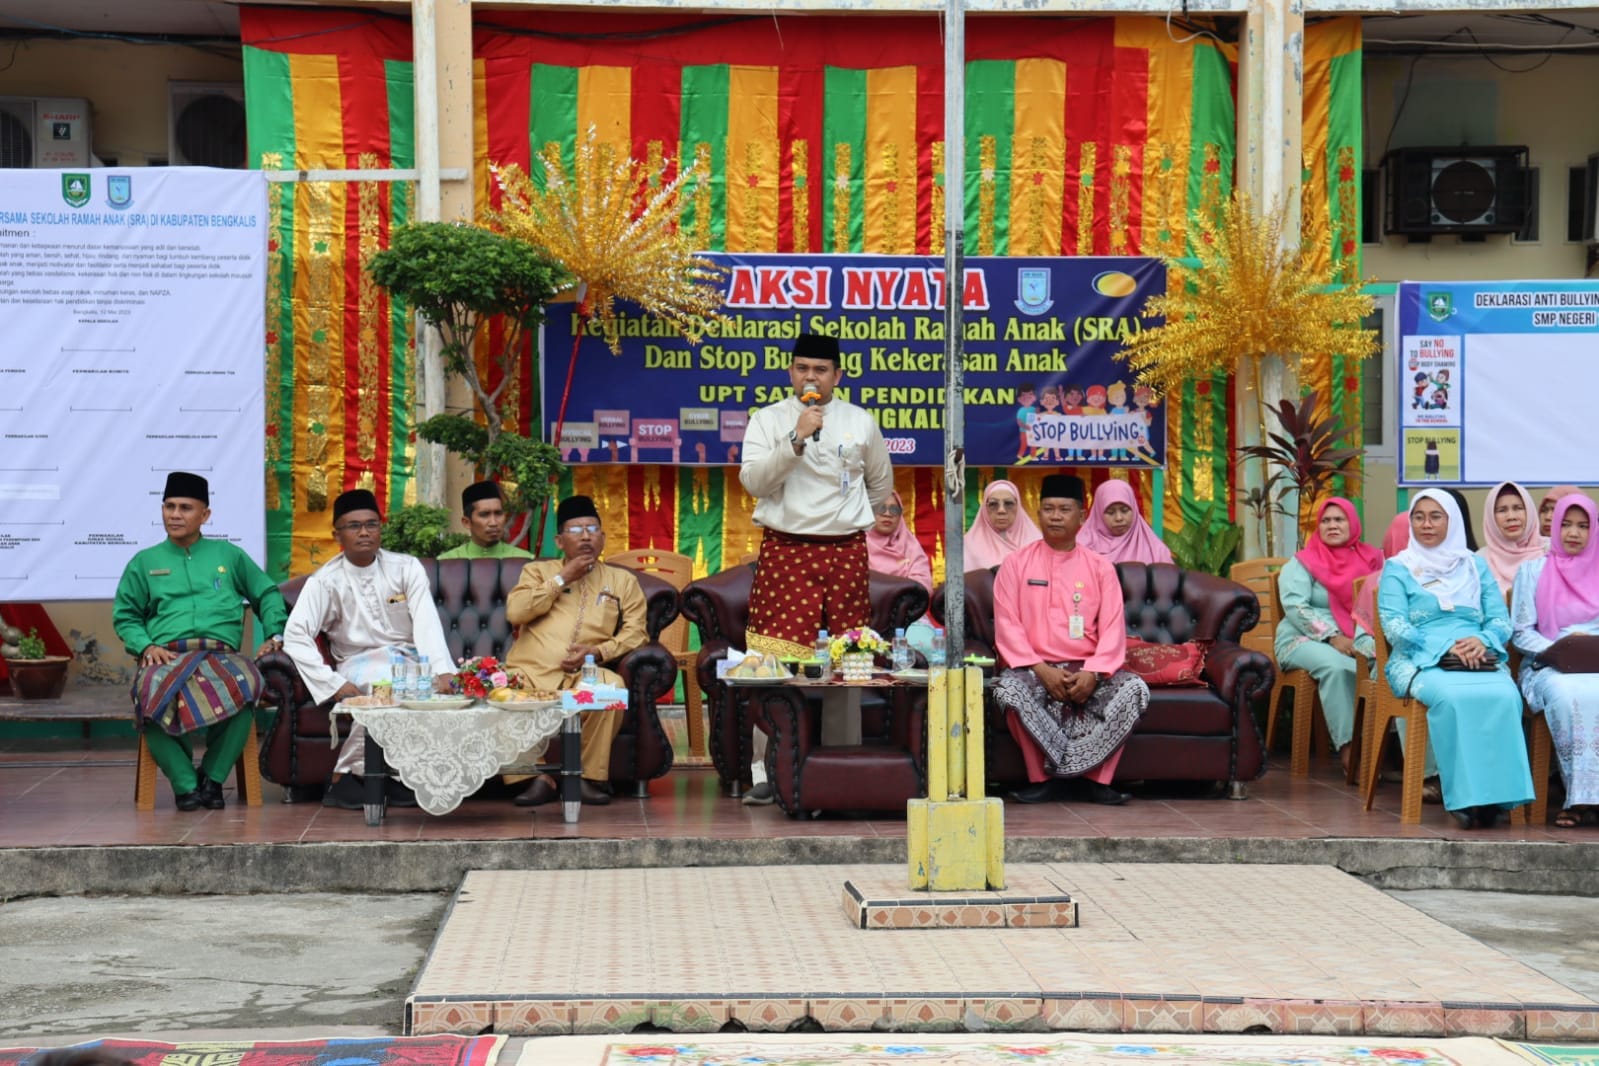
(1445, 616)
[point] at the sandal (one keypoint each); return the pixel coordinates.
(1568, 819)
(1432, 791)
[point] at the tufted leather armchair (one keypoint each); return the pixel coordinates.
(719, 606)
(1187, 734)
(470, 594)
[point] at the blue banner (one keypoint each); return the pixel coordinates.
(1490, 379)
(1041, 380)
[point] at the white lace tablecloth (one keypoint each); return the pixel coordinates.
(444, 756)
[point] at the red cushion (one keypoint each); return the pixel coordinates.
(1166, 665)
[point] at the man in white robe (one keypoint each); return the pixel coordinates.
(369, 603)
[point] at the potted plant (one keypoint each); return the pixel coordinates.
(1311, 450)
(34, 675)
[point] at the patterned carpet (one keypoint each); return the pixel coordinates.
(361, 1051)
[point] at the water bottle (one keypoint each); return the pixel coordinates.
(424, 680)
(824, 653)
(901, 651)
(591, 673)
(937, 656)
(397, 677)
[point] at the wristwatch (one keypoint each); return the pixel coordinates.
(558, 581)
(795, 440)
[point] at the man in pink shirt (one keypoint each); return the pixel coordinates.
(1062, 635)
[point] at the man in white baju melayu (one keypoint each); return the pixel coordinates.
(368, 603)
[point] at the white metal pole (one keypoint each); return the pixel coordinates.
(430, 458)
(954, 272)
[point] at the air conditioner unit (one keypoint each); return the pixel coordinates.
(43, 131)
(205, 124)
(1477, 190)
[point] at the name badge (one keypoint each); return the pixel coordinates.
(1076, 627)
(1040, 582)
(161, 573)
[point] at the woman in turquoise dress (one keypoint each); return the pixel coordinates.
(1438, 600)
(1553, 598)
(1318, 632)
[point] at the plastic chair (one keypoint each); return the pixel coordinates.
(1385, 708)
(677, 571)
(246, 774)
(1308, 715)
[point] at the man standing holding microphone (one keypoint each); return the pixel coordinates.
(818, 469)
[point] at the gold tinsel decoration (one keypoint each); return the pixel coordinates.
(615, 225)
(1249, 297)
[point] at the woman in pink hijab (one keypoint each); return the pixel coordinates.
(1555, 598)
(1001, 526)
(1395, 539)
(1117, 531)
(1509, 535)
(891, 548)
(1546, 507)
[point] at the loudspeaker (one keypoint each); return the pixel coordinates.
(1476, 190)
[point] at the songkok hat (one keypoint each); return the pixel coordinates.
(354, 500)
(479, 490)
(816, 346)
(1062, 487)
(189, 486)
(574, 507)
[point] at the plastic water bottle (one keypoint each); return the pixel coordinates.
(937, 656)
(397, 676)
(424, 680)
(901, 651)
(824, 653)
(591, 674)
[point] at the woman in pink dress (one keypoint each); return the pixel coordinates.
(1117, 531)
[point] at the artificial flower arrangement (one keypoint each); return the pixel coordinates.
(482, 676)
(852, 641)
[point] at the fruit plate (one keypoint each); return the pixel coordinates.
(759, 680)
(439, 703)
(521, 705)
(909, 675)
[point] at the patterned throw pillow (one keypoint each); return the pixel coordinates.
(1167, 665)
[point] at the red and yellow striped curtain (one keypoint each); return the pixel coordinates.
(824, 134)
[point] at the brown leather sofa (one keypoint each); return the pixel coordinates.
(1187, 734)
(470, 594)
(718, 606)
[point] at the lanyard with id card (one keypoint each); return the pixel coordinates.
(1076, 627)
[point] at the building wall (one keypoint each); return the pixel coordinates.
(125, 83)
(1468, 100)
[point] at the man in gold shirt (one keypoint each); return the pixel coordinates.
(570, 608)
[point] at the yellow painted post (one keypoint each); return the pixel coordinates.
(937, 751)
(976, 768)
(955, 735)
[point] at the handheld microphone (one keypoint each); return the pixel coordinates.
(811, 399)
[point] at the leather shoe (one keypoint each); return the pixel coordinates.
(1105, 795)
(1432, 791)
(187, 801)
(210, 793)
(1042, 792)
(1464, 819)
(594, 795)
(542, 792)
(1487, 817)
(348, 793)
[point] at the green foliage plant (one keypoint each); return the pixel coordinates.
(460, 278)
(1310, 450)
(31, 646)
(420, 530)
(1207, 544)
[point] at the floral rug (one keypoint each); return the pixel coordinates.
(976, 1051)
(353, 1051)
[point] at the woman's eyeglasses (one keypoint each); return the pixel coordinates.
(891, 510)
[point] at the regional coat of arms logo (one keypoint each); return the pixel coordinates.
(1440, 305)
(75, 189)
(1032, 290)
(119, 191)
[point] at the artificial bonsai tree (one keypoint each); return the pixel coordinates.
(460, 278)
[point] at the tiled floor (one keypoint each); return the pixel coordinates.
(60, 792)
(1160, 948)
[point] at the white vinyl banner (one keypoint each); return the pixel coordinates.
(131, 345)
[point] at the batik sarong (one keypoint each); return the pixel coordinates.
(209, 682)
(804, 584)
(1075, 738)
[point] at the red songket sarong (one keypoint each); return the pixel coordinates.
(804, 584)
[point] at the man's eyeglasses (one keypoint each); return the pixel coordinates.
(891, 511)
(578, 531)
(361, 527)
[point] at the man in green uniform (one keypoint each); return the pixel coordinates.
(483, 515)
(178, 610)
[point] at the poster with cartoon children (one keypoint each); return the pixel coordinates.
(1430, 371)
(1091, 423)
